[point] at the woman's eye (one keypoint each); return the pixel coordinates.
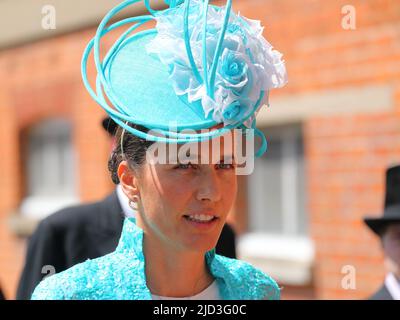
(184, 166)
(226, 166)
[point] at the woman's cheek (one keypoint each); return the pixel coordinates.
(230, 190)
(178, 193)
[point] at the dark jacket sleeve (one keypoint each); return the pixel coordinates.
(45, 255)
(2, 297)
(382, 294)
(226, 245)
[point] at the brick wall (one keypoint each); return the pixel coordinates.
(11, 248)
(345, 154)
(41, 81)
(346, 162)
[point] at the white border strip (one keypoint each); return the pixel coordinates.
(298, 107)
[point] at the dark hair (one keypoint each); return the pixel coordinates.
(134, 150)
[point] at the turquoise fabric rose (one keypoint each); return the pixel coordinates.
(231, 111)
(233, 68)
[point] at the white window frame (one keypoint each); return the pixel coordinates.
(38, 205)
(288, 257)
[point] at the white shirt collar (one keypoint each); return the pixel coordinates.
(209, 293)
(393, 286)
(124, 202)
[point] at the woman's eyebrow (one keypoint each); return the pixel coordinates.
(196, 158)
(177, 159)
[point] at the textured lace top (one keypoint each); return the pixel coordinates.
(120, 275)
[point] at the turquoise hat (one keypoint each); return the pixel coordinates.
(200, 66)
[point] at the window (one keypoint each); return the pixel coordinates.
(277, 185)
(277, 240)
(50, 169)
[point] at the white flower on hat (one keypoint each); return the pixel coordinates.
(247, 67)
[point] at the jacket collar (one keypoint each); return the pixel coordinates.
(131, 244)
(393, 286)
(132, 240)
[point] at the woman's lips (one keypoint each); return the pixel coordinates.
(200, 217)
(201, 222)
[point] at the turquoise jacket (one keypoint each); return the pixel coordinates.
(120, 275)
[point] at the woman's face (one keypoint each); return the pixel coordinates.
(178, 199)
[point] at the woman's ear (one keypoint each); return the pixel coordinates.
(128, 180)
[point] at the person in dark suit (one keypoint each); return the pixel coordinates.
(388, 229)
(2, 297)
(82, 232)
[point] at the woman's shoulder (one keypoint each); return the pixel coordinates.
(247, 281)
(90, 280)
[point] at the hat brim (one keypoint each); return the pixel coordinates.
(376, 224)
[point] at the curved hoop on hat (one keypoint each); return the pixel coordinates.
(187, 43)
(148, 7)
(170, 3)
(189, 137)
(102, 81)
(264, 144)
(219, 47)
(204, 46)
(120, 114)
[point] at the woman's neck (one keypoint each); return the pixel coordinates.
(174, 272)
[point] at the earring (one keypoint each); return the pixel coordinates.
(133, 203)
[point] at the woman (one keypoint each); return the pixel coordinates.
(203, 67)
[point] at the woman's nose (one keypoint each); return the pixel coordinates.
(209, 186)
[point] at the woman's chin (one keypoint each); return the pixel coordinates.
(201, 245)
